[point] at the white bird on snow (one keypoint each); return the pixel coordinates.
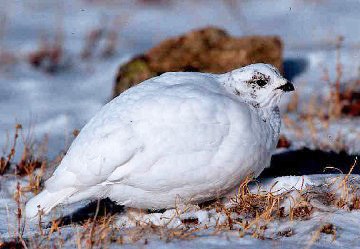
(181, 134)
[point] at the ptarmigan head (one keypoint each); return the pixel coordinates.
(258, 84)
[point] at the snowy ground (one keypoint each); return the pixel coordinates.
(57, 103)
(304, 229)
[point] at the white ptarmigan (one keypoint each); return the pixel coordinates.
(181, 134)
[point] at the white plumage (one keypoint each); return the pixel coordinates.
(192, 136)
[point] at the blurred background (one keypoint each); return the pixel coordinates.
(59, 60)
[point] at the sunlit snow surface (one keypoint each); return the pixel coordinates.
(56, 104)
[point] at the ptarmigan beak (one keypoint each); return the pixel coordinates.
(288, 87)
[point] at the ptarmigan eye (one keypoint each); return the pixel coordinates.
(261, 83)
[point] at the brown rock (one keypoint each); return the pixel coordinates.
(132, 73)
(205, 50)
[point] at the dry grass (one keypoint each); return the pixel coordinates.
(98, 233)
(7, 58)
(5, 161)
(32, 159)
(49, 57)
(101, 41)
(343, 101)
(91, 42)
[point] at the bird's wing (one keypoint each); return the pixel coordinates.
(106, 142)
(129, 124)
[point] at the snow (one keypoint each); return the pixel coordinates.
(303, 232)
(56, 104)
